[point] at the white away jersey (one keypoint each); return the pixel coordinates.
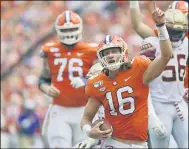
(169, 86)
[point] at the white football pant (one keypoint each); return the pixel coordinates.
(175, 118)
(172, 142)
(61, 126)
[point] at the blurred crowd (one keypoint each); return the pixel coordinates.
(23, 23)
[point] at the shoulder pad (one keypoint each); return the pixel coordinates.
(93, 44)
(93, 76)
(50, 46)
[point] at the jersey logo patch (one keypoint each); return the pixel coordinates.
(54, 49)
(102, 89)
(97, 84)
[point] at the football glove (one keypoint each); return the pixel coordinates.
(77, 82)
(90, 142)
(157, 127)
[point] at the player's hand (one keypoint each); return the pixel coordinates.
(157, 127)
(53, 91)
(186, 95)
(158, 15)
(96, 133)
(77, 82)
(90, 142)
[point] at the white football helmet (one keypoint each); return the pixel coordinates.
(177, 22)
(69, 27)
(113, 42)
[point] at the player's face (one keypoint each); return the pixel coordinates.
(112, 54)
(176, 35)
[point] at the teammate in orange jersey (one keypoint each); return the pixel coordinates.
(64, 60)
(186, 85)
(122, 88)
(186, 78)
(167, 90)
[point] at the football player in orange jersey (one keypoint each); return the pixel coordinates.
(164, 98)
(64, 59)
(122, 88)
(186, 85)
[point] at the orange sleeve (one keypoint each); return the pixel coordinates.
(144, 62)
(187, 34)
(91, 91)
(186, 77)
(156, 32)
(44, 48)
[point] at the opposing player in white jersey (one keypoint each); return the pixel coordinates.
(167, 90)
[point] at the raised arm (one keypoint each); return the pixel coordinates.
(159, 63)
(141, 29)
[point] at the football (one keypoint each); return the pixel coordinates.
(105, 126)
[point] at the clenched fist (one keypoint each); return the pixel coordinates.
(158, 15)
(53, 91)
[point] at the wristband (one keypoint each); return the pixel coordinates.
(160, 25)
(43, 80)
(162, 32)
(133, 4)
(86, 129)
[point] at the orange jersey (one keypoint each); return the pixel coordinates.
(68, 63)
(124, 99)
(186, 77)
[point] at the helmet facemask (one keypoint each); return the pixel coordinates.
(177, 26)
(114, 60)
(176, 37)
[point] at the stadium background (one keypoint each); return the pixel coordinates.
(25, 25)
